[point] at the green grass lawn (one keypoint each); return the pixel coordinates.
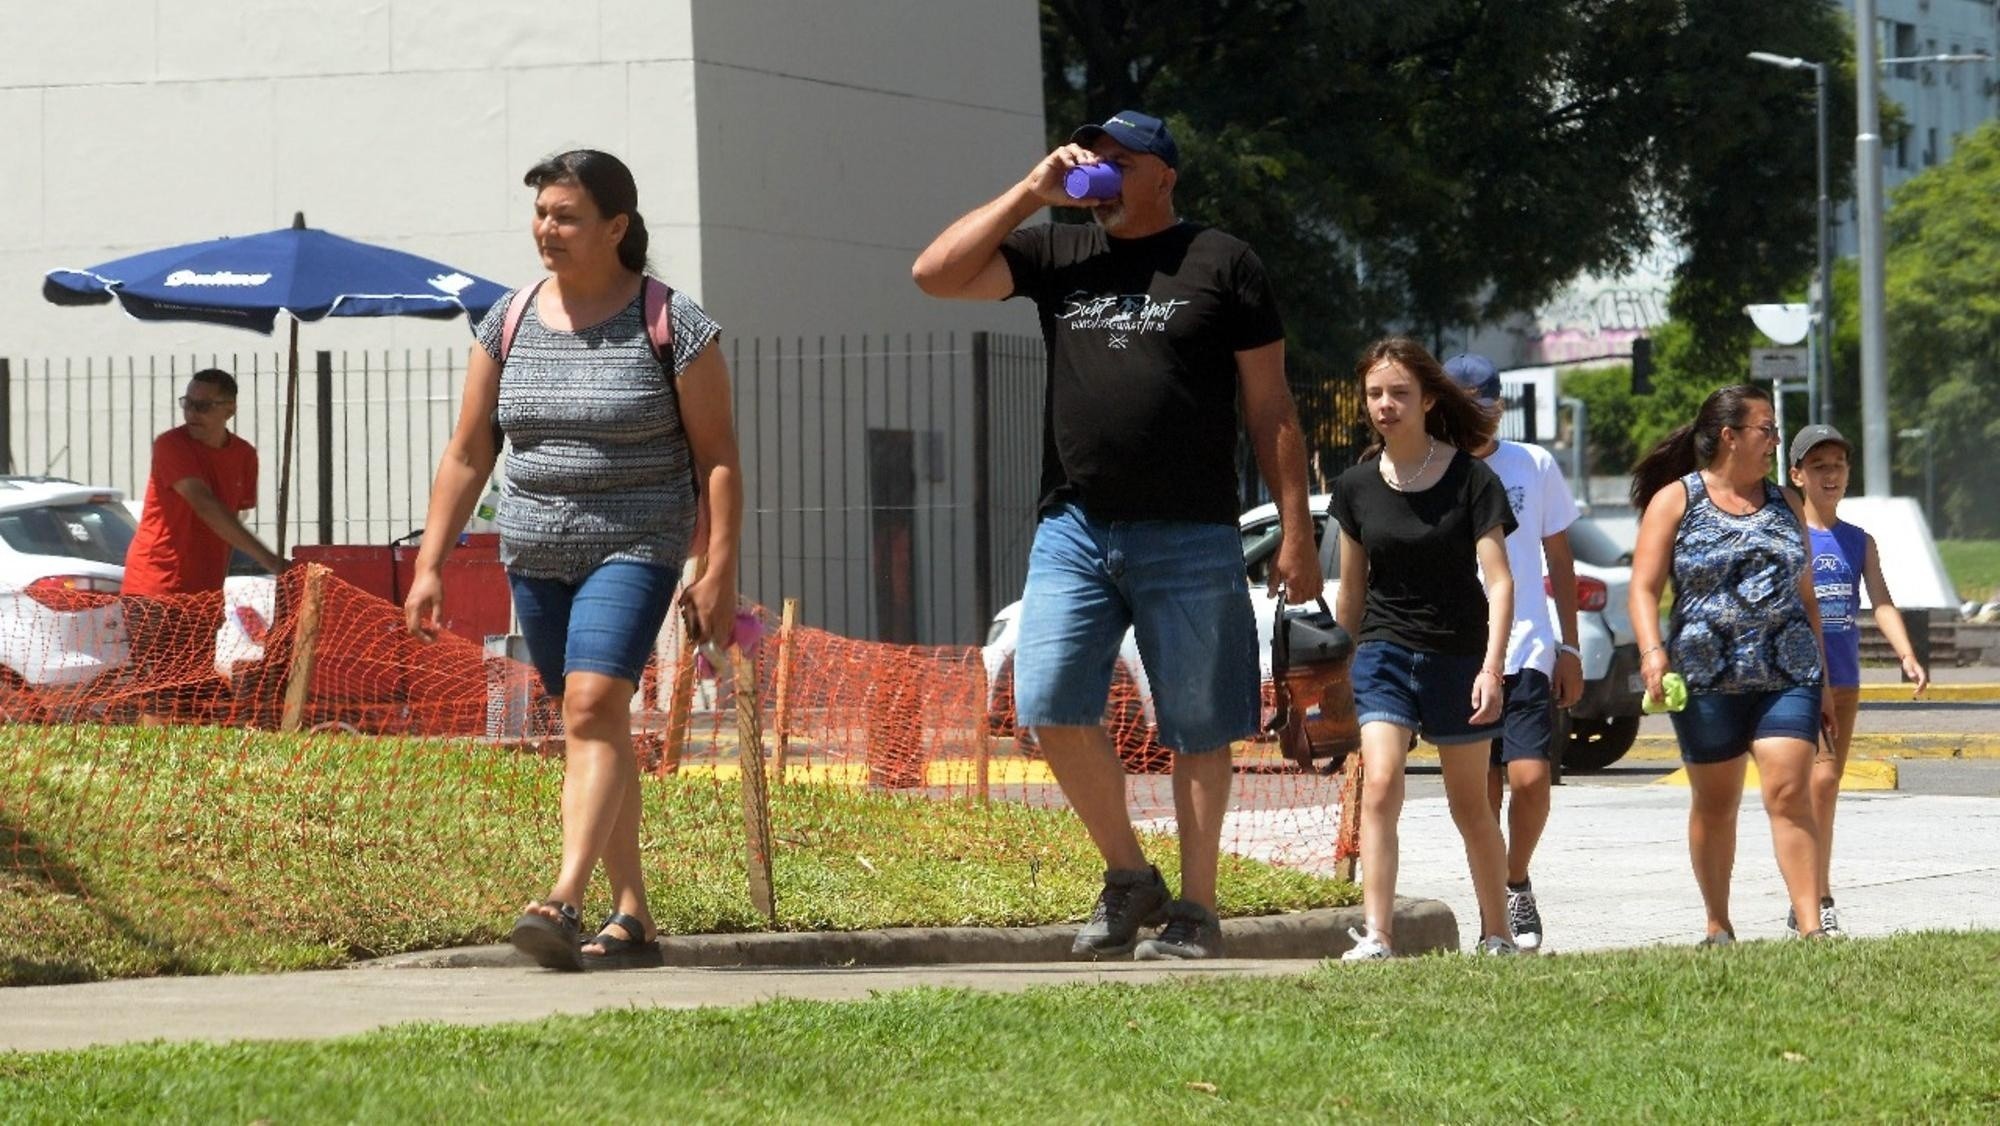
(127, 852)
(1974, 566)
(1901, 1029)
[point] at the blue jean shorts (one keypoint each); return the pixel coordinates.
(1717, 727)
(606, 623)
(1429, 693)
(1527, 719)
(1180, 587)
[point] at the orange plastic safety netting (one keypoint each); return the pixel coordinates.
(285, 768)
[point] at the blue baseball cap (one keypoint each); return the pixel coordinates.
(1476, 374)
(1137, 131)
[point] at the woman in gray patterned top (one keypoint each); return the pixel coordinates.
(609, 441)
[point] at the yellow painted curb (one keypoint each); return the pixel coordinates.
(1876, 745)
(945, 773)
(1862, 774)
(1935, 694)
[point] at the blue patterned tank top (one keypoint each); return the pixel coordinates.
(1738, 623)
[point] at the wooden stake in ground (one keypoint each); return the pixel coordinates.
(982, 745)
(305, 646)
(783, 718)
(680, 704)
(756, 788)
(1347, 840)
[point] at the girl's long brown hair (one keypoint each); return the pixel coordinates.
(1456, 417)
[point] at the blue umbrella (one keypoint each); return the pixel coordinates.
(247, 282)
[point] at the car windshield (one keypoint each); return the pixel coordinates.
(1260, 545)
(98, 532)
(1591, 544)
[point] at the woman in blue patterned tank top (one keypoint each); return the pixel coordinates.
(1744, 635)
(617, 440)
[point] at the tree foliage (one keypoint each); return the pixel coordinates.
(1942, 284)
(1427, 164)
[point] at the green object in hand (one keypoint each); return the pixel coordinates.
(1673, 696)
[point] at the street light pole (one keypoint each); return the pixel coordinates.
(1819, 385)
(1822, 410)
(1868, 201)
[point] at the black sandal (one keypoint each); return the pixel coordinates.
(552, 943)
(622, 953)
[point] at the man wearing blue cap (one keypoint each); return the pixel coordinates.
(1542, 672)
(1156, 328)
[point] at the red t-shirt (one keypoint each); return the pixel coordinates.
(174, 552)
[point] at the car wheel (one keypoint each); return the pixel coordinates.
(18, 702)
(1598, 741)
(1000, 702)
(1137, 740)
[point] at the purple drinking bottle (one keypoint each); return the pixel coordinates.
(1093, 181)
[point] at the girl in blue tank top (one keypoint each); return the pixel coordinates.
(1843, 559)
(1744, 635)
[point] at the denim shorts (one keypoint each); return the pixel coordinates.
(606, 623)
(1429, 693)
(1527, 720)
(1717, 727)
(1179, 586)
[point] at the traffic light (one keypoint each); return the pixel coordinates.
(1642, 365)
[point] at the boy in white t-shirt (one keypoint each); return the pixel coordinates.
(1542, 673)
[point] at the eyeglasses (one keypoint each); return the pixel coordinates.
(203, 406)
(1769, 431)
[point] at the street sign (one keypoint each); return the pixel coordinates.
(1779, 363)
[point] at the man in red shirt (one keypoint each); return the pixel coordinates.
(202, 476)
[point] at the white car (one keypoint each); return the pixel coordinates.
(62, 561)
(1600, 728)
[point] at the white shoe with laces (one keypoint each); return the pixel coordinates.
(1367, 947)
(1498, 944)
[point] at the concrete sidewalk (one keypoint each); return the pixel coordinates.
(1612, 869)
(324, 1003)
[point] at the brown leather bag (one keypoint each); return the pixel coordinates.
(1310, 655)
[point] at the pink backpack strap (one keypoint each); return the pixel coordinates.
(517, 307)
(660, 321)
(660, 331)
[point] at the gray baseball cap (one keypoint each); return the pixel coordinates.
(1818, 434)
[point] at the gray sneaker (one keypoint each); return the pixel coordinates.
(1829, 919)
(1719, 938)
(1192, 931)
(1132, 898)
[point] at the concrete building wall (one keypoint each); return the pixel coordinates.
(792, 158)
(1939, 102)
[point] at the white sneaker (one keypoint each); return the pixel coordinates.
(1498, 945)
(1829, 921)
(1367, 947)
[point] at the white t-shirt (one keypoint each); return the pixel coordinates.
(1542, 507)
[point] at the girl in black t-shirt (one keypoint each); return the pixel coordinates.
(1420, 520)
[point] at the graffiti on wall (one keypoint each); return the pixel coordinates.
(1600, 316)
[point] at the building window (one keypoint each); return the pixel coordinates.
(1904, 38)
(1930, 147)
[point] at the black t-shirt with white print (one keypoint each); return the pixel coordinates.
(1424, 591)
(1140, 419)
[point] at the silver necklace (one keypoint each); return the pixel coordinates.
(1399, 482)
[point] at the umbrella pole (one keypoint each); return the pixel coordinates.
(285, 453)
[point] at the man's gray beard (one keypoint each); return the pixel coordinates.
(1108, 216)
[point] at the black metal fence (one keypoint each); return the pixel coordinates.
(890, 482)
